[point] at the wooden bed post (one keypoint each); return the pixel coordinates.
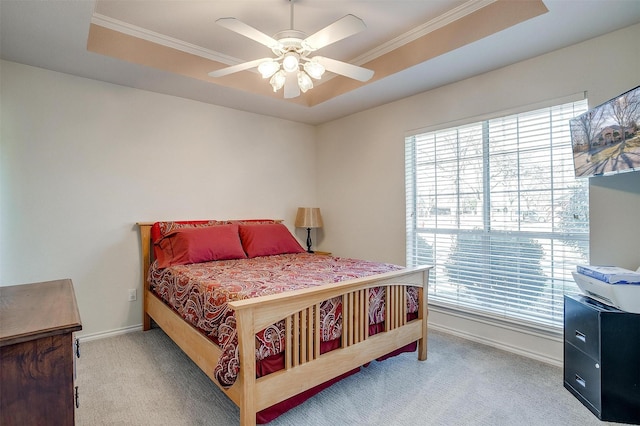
(247, 345)
(145, 238)
(424, 313)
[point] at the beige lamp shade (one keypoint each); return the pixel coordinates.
(308, 217)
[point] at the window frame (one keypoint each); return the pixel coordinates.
(412, 228)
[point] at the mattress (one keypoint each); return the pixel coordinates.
(200, 293)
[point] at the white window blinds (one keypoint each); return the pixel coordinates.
(494, 205)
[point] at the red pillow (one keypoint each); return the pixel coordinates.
(196, 245)
(161, 229)
(267, 240)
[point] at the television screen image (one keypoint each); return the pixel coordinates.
(606, 139)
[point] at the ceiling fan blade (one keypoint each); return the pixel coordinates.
(248, 31)
(291, 88)
(342, 28)
(343, 68)
(235, 68)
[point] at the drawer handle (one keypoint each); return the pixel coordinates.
(581, 336)
(581, 381)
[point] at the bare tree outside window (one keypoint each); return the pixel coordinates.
(606, 139)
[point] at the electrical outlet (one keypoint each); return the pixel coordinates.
(132, 295)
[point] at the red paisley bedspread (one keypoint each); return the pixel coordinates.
(200, 292)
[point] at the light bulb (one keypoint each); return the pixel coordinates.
(277, 81)
(290, 62)
(268, 68)
(304, 82)
(314, 68)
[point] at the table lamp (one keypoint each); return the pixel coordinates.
(308, 217)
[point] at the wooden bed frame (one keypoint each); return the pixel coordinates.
(304, 366)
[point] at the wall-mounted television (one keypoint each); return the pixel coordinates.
(606, 139)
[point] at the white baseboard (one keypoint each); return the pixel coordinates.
(543, 346)
(109, 333)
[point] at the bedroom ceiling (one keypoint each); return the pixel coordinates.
(413, 46)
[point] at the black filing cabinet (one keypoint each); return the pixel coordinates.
(602, 358)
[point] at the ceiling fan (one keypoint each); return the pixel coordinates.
(292, 67)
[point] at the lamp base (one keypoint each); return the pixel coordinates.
(309, 241)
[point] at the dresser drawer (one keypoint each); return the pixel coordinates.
(583, 374)
(582, 327)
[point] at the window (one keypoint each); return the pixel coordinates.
(495, 206)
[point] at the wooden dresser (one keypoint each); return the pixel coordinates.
(37, 364)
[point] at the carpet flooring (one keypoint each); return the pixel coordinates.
(143, 378)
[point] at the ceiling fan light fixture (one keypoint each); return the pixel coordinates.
(268, 68)
(314, 68)
(304, 81)
(292, 47)
(290, 62)
(277, 81)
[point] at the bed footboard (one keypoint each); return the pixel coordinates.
(305, 367)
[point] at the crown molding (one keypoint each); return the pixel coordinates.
(441, 21)
(161, 39)
(417, 32)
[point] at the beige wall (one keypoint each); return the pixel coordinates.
(82, 161)
(361, 157)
